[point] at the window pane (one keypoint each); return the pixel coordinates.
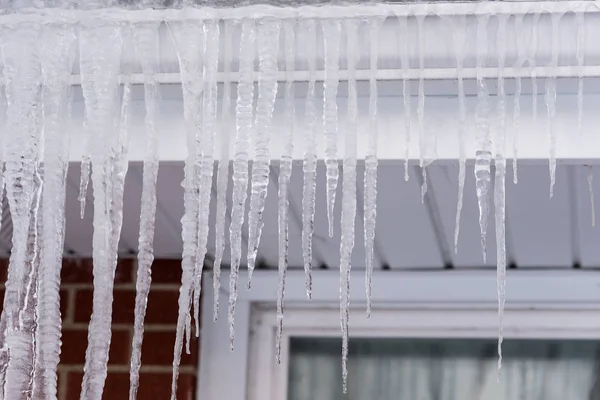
(444, 369)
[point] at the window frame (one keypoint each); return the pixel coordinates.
(449, 304)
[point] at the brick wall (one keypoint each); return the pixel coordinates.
(159, 335)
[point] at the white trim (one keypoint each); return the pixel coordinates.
(541, 304)
(540, 288)
(119, 15)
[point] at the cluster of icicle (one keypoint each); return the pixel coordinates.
(38, 60)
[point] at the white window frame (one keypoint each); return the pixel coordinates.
(452, 304)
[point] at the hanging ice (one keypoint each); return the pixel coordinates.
(223, 169)
(285, 172)
(551, 100)
(332, 29)
(2, 156)
(309, 40)
(459, 36)
(188, 38)
(100, 55)
(22, 151)
(421, 105)
(533, 63)
(499, 184)
(590, 180)
(245, 128)
(268, 47)
(404, 60)
(517, 97)
(580, 54)
(483, 155)
(209, 127)
(146, 41)
(84, 177)
(348, 191)
(57, 53)
(370, 179)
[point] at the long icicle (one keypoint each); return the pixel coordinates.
(483, 155)
(223, 168)
(188, 44)
(244, 131)
(268, 47)
(371, 163)
(459, 31)
(580, 55)
(551, 101)
(499, 185)
(421, 104)
(309, 38)
(100, 55)
(517, 97)
(209, 128)
(332, 29)
(348, 192)
(285, 172)
(405, 61)
(21, 71)
(2, 159)
(533, 63)
(58, 45)
(146, 41)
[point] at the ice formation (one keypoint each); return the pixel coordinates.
(275, 58)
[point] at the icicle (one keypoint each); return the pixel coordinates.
(332, 29)
(244, 127)
(551, 100)
(405, 61)
(590, 179)
(209, 128)
(483, 155)
(499, 185)
(285, 172)
(57, 53)
(580, 54)
(2, 161)
(21, 71)
(370, 179)
(371, 163)
(188, 38)
(146, 43)
(533, 63)
(84, 177)
(459, 36)
(517, 97)
(309, 39)
(223, 169)
(421, 105)
(348, 192)
(100, 55)
(268, 47)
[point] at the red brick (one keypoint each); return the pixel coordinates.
(162, 306)
(152, 386)
(157, 349)
(3, 269)
(81, 271)
(75, 344)
(166, 271)
(64, 303)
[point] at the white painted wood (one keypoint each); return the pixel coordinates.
(223, 373)
(554, 305)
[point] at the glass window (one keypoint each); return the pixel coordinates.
(444, 369)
